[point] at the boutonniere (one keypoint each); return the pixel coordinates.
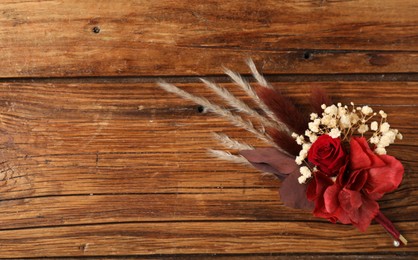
(331, 161)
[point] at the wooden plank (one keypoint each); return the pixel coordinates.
(89, 38)
(198, 238)
(107, 168)
(63, 139)
(205, 204)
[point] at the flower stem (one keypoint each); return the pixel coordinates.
(391, 229)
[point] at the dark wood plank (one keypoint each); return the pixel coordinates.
(89, 38)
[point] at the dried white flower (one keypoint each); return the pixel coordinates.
(334, 133)
(305, 171)
(314, 116)
(374, 126)
(384, 127)
(374, 140)
(314, 127)
(354, 118)
(300, 140)
(366, 110)
(380, 150)
(331, 110)
(313, 138)
(383, 114)
(363, 128)
(345, 121)
(302, 179)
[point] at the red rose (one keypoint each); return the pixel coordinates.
(351, 198)
(327, 154)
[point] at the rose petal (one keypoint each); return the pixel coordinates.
(293, 194)
(384, 179)
(271, 160)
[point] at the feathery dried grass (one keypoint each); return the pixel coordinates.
(235, 119)
(231, 143)
(260, 79)
(237, 103)
(252, 93)
(227, 156)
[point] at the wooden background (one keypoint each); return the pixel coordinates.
(97, 161)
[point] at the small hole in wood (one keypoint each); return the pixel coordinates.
(201, 109)
(96, 29)
(307, 55)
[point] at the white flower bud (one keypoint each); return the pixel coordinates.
(313, 138)
(384, 127)
(331, 110)
(314, 116)
(362, 129)
(345, 121)
(399, 136)
(334, 133)
(354, 118)
(380, 150)
(305, 171)
(366, 110)
(374, 126)
(374, 140)
(306, 146)
(383, 114)
(313, 127)
(300, 140)
(302, 179)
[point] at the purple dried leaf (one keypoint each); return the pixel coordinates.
(271, 160)
(293, 194)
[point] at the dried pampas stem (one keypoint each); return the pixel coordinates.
(260, 79)
(227, 156)
(251, 93)
(236, 103)
(231, 143)
(236, 119)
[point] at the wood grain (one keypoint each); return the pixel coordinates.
(196, 237)
(97, 162)
(137, 38)
(105, 168)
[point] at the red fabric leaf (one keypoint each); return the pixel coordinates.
(361, 156)
(271, 160)
(384, 179)
(367, 213)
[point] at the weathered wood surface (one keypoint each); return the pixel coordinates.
(111, 168)
(97, 38)
(97, 164)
